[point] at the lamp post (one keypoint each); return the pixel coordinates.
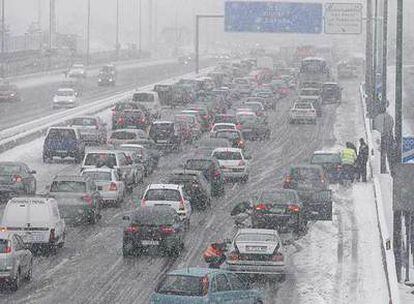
(117, 31)
(88, 25)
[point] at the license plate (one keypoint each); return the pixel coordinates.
(256, 248)
(150, 243)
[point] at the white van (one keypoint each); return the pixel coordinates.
(150, 100)
(36, 220)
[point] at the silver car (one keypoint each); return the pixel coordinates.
(257, 251)
(15, 260)
(92, 129)
(65, 98)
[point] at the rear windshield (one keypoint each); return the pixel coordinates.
(8, 169)
(229, 119)
(87, 122)
(246, 118)
(304, 106)
(310, 92)
(98, 176)
(3, 245)
(143, 97)
(227, 155)
(325, 158)
(163, 195)
(126, 106)
(93, 159)
(68, 186)
(197, 164)
(305, 174)
(65, 93)
(254, 106)
(123, 135)
(161, 128)
(280, 197)
(255, 237)
(227, 134)
(153, 218)
(223, 127)
(181, 285)
(61, 134)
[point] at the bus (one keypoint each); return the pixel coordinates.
(314, 69)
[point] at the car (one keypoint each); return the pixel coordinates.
(225, 118)
(233, 163)
(129, 115)
(125, 136)
(222, 126)
(257, 252)
(156, 226)
(313, 96)
(210, 167)
(267, 97)
(234, 136)
(16, 178)
(203, 115)
(107, 75)
(108, 183)
(138, 169)
(192, 122)
(65, 98)
(207, 145)
(204, 285)
(142, 155)
(312, 186)
(9, 92)
(63, 142)
(78, 199)
(165, 135)
(195, 186)
(150, 100)
(37, 220)
(114, 159)
(331, 92)
(256, 107)
(151, 148)
(92, 129)
(253, 127)
(16, 260)
(168, 195)
(279, 209)
(331, 162)
(77, 71)
(302, 112)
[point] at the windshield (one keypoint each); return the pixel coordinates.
(256, 238)
(227, 155)
(280, 197)
(143, 97)
(68, 186)
(98, 176)
(181, 285)
(163, 195)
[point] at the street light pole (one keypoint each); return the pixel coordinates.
(3, 30)
(117, 31)
(368, 60)
(385, 138)
(88, 32)
(140, 28)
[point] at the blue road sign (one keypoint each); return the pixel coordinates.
(273, 17)
(408, 149)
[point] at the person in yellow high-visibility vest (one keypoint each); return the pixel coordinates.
(348, 158)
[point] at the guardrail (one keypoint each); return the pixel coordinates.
(386, 244)
(20, 134)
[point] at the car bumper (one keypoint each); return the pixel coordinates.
(256, 269)
(110, 196)
(231, 174)
(64, 104)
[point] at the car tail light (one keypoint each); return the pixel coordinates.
(261, 207)
(167, 230)
(17, 179)
(234, 256)
(113, 187)
(132, 229)
(143, 202)
(294, 208)
(181, 207)
(338, 167)
(278, 257)
(288, 182)
(52, 235)
(217, 173)
(8, 249)
(88, 199)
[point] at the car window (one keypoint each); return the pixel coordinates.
(227, 155)
(125, 135)
(86, 122)
(98, 175)
(122, 159)
(197, 164)
(143, 97)
(221, 283)
(3, 245)
(163, 195)
(18, 245)
(68, 186)
(60, 134)
(8, 169)
(236, 283)
(93, 159)
(181, 285)
(325, 158)
(256, 237)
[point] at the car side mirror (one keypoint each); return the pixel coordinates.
(126, 218)
(33, 172)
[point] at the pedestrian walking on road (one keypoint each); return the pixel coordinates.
(362, 160)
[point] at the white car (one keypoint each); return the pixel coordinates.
(150, 100)
(77, 70)
(169, 195)
(257, 251)
(36, 220)
(108, 183)
(125, 136)
(222, 126)
(65, 98)
(233, 163)
(303, 112)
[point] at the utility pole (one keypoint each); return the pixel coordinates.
(3, 33)
(88, 29)
(368, 61)
(150, 20)
(398, 130)
(375, 63)
(52, 22)
(385, 138)
(140, 28)
(117, 31)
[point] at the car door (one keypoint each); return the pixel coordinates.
(221, 290)
(20, 253)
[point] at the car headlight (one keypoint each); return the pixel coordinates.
(12, 94)
(110, 79)
(99, 80)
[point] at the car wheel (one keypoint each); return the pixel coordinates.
(15, 283)
(29, 273)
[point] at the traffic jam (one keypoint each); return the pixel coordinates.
(156, 171)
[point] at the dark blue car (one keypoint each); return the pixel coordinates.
(63, 142)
